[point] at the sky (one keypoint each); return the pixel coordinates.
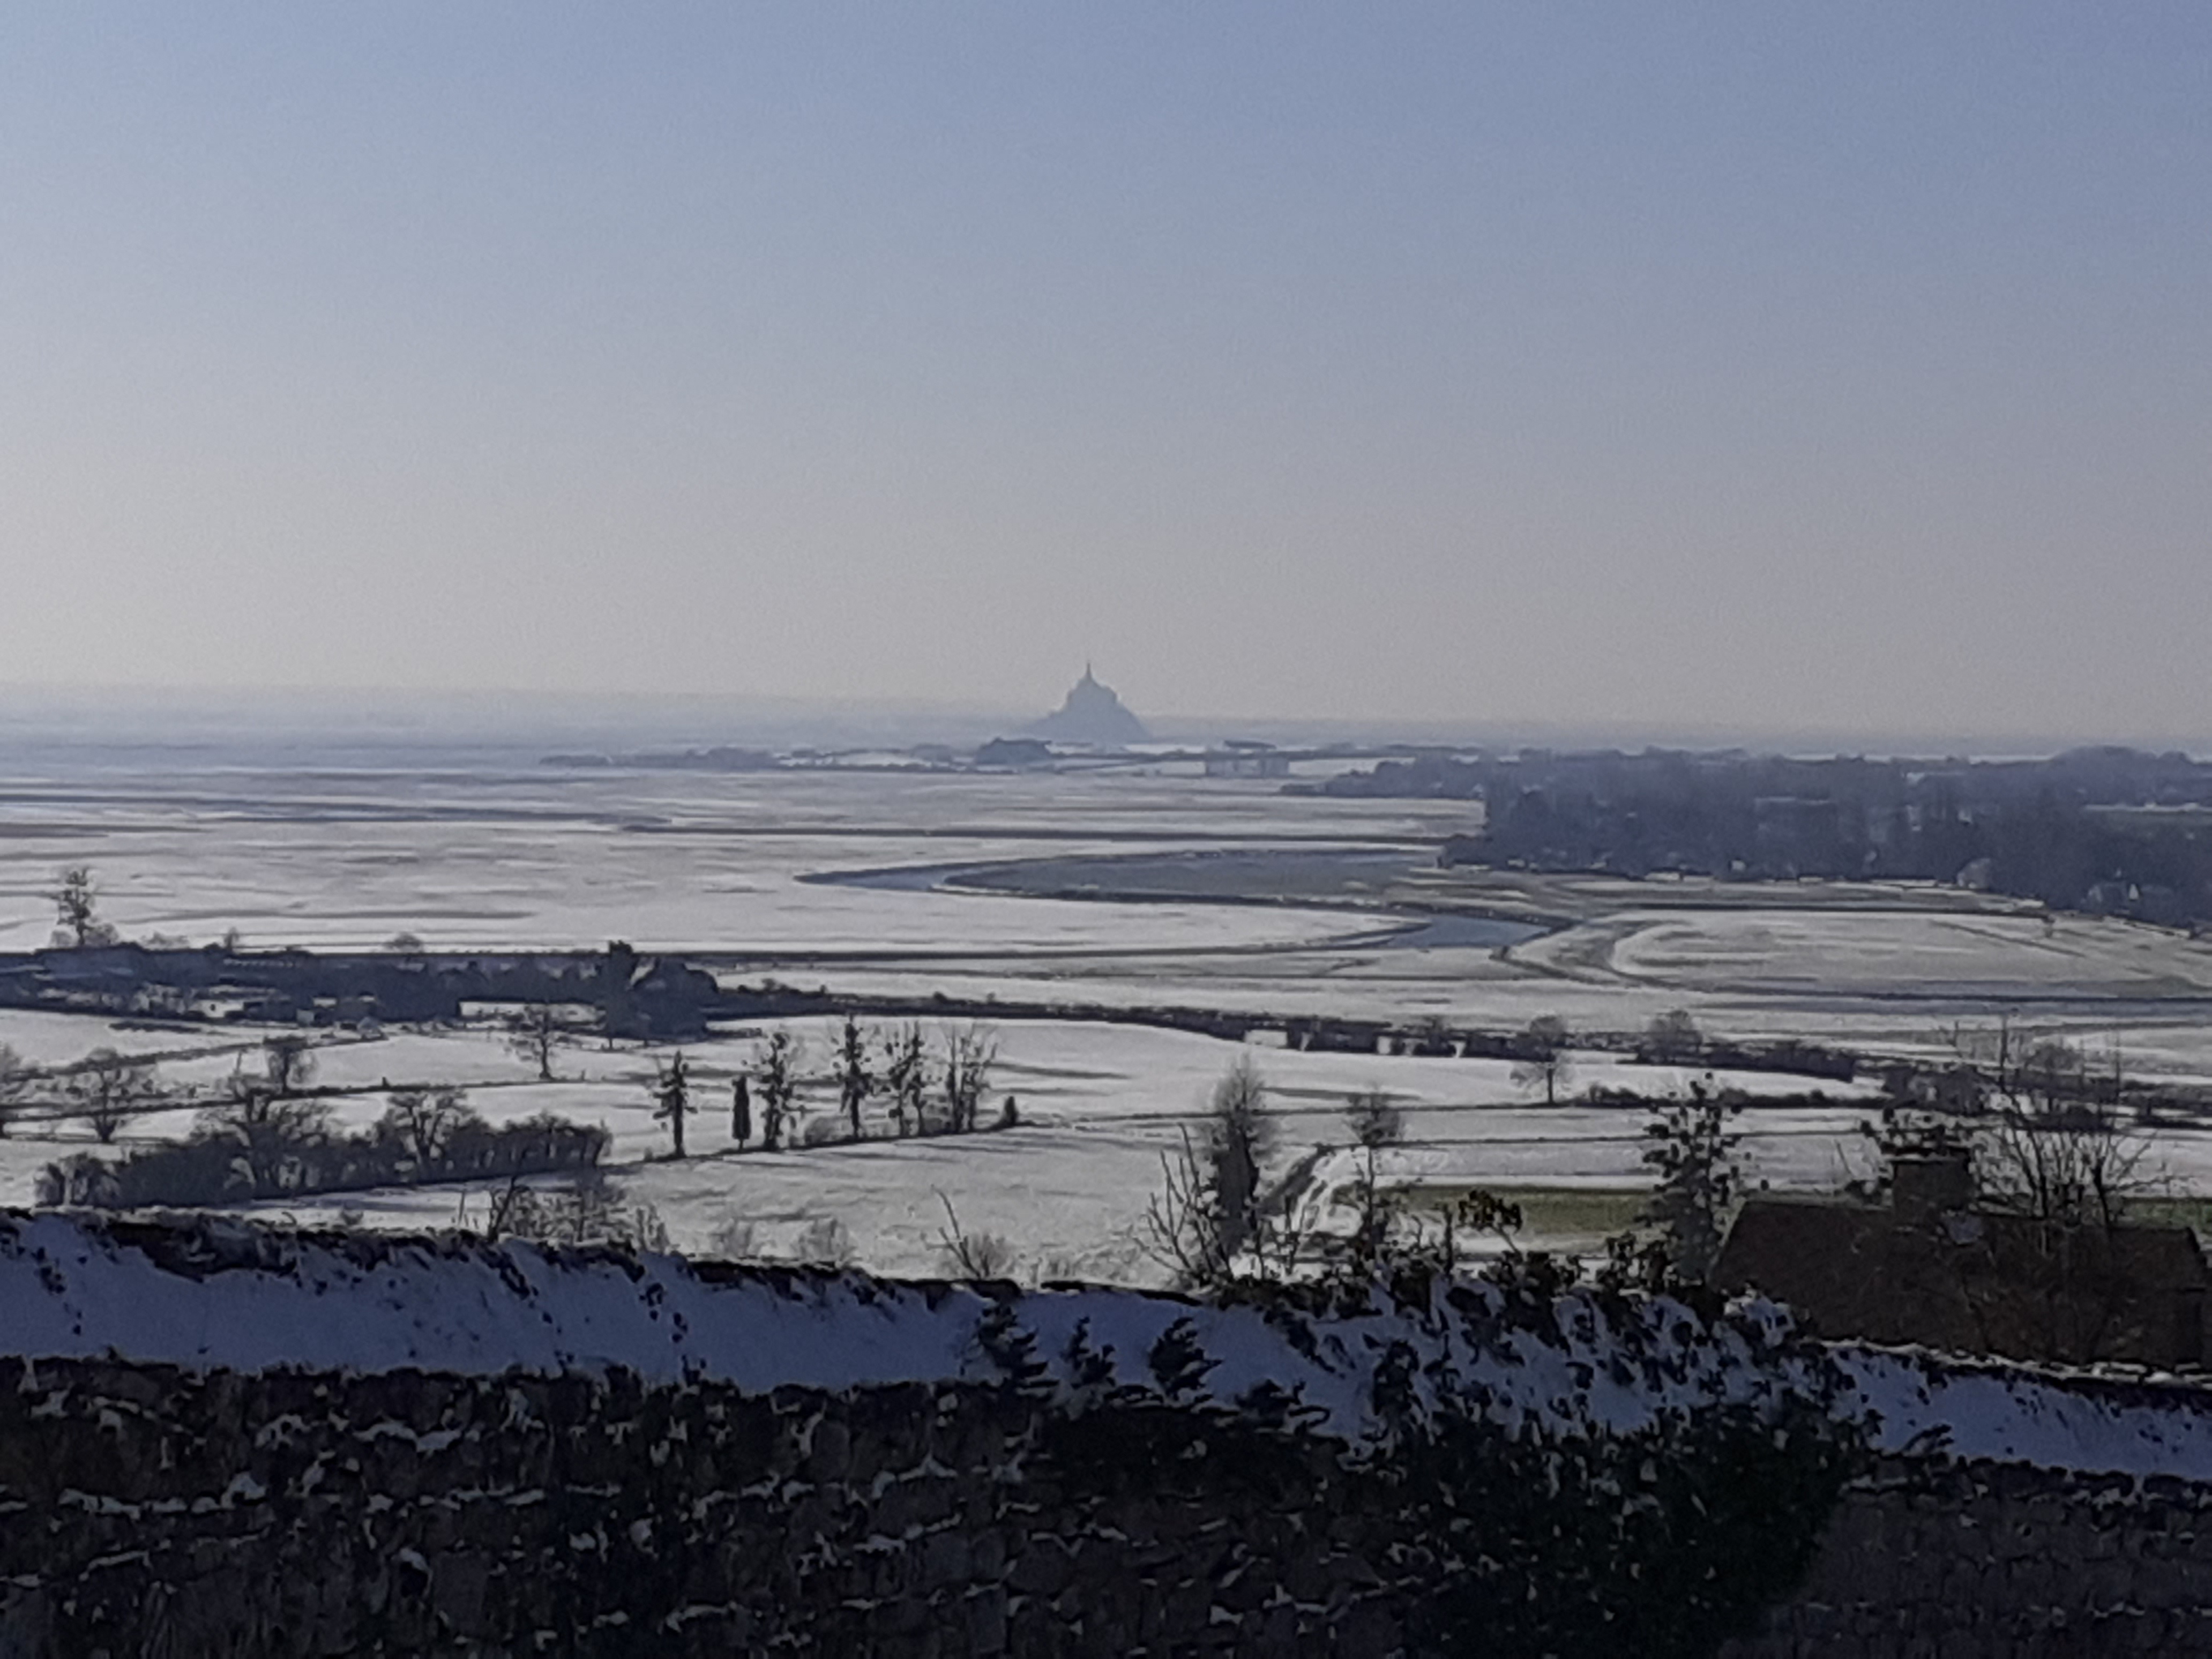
(1687, 366)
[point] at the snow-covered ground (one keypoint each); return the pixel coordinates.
(691, 861)
(717, 862)
(1098, 1105)
(1842, 954)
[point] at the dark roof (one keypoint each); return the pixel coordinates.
(1974, 1280)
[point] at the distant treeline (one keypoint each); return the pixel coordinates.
(1436, 1039)
(626, 994)
(1644, 1100)
(427, 1136)
(2108, 830)
(720, 758)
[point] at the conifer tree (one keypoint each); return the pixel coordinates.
(672, 1089)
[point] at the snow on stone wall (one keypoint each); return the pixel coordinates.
(213, 1295)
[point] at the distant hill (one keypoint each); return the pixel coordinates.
(1093, 715)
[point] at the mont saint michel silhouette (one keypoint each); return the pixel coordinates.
(1091, 713)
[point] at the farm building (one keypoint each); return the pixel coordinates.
(1935, 1266)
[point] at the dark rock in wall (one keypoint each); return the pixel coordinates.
(151, 1510)
(147, 1509)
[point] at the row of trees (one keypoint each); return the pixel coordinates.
(2069, 852)
(919, 1086)
(266, 1140)
(105, 1090)
(269, 1135)
(893, 1080)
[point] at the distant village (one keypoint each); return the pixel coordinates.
(2105, 831)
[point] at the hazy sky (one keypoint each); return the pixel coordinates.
(1784, 365)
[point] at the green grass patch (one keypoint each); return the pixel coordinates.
(2173, 1209)
(1546, 1211)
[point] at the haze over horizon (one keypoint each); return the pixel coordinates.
(338, 725)
(1588, 368)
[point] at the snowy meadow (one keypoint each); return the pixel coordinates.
(1122, 890)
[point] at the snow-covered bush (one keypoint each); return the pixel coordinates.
(589, 1210)
(228, 1159)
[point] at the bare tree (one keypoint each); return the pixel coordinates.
(587, 1210)
(108, 1088)
(1239, 1137)
(775, 1079)
(1693, 1152)
(2009, 1067)
(971, 1053)
(2051, 1150)
(423, 1121)
(1987, 1054)
(1375, 1122)
(672, 1089)
(856, 1083)
(2052, 1144)
(1673, 1037)
(76, 909)
(906, 1076)
(1208, 1212)
(504, 1208)
(288, 1063)
(271, 1128)
(2068, 1165)
(535, 1033)
(1291, 1223)
(1544, 1057)
(972, 1255)
(1180, 1227)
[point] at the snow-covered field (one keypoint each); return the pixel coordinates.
(1097, 1105)
(1066, 1189)
(1831, 954)
(674, 861)
(716, 863)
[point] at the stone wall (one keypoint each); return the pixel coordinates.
(1990, 1561)
(145, 1509)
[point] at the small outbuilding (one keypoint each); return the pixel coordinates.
(1934, 1266)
